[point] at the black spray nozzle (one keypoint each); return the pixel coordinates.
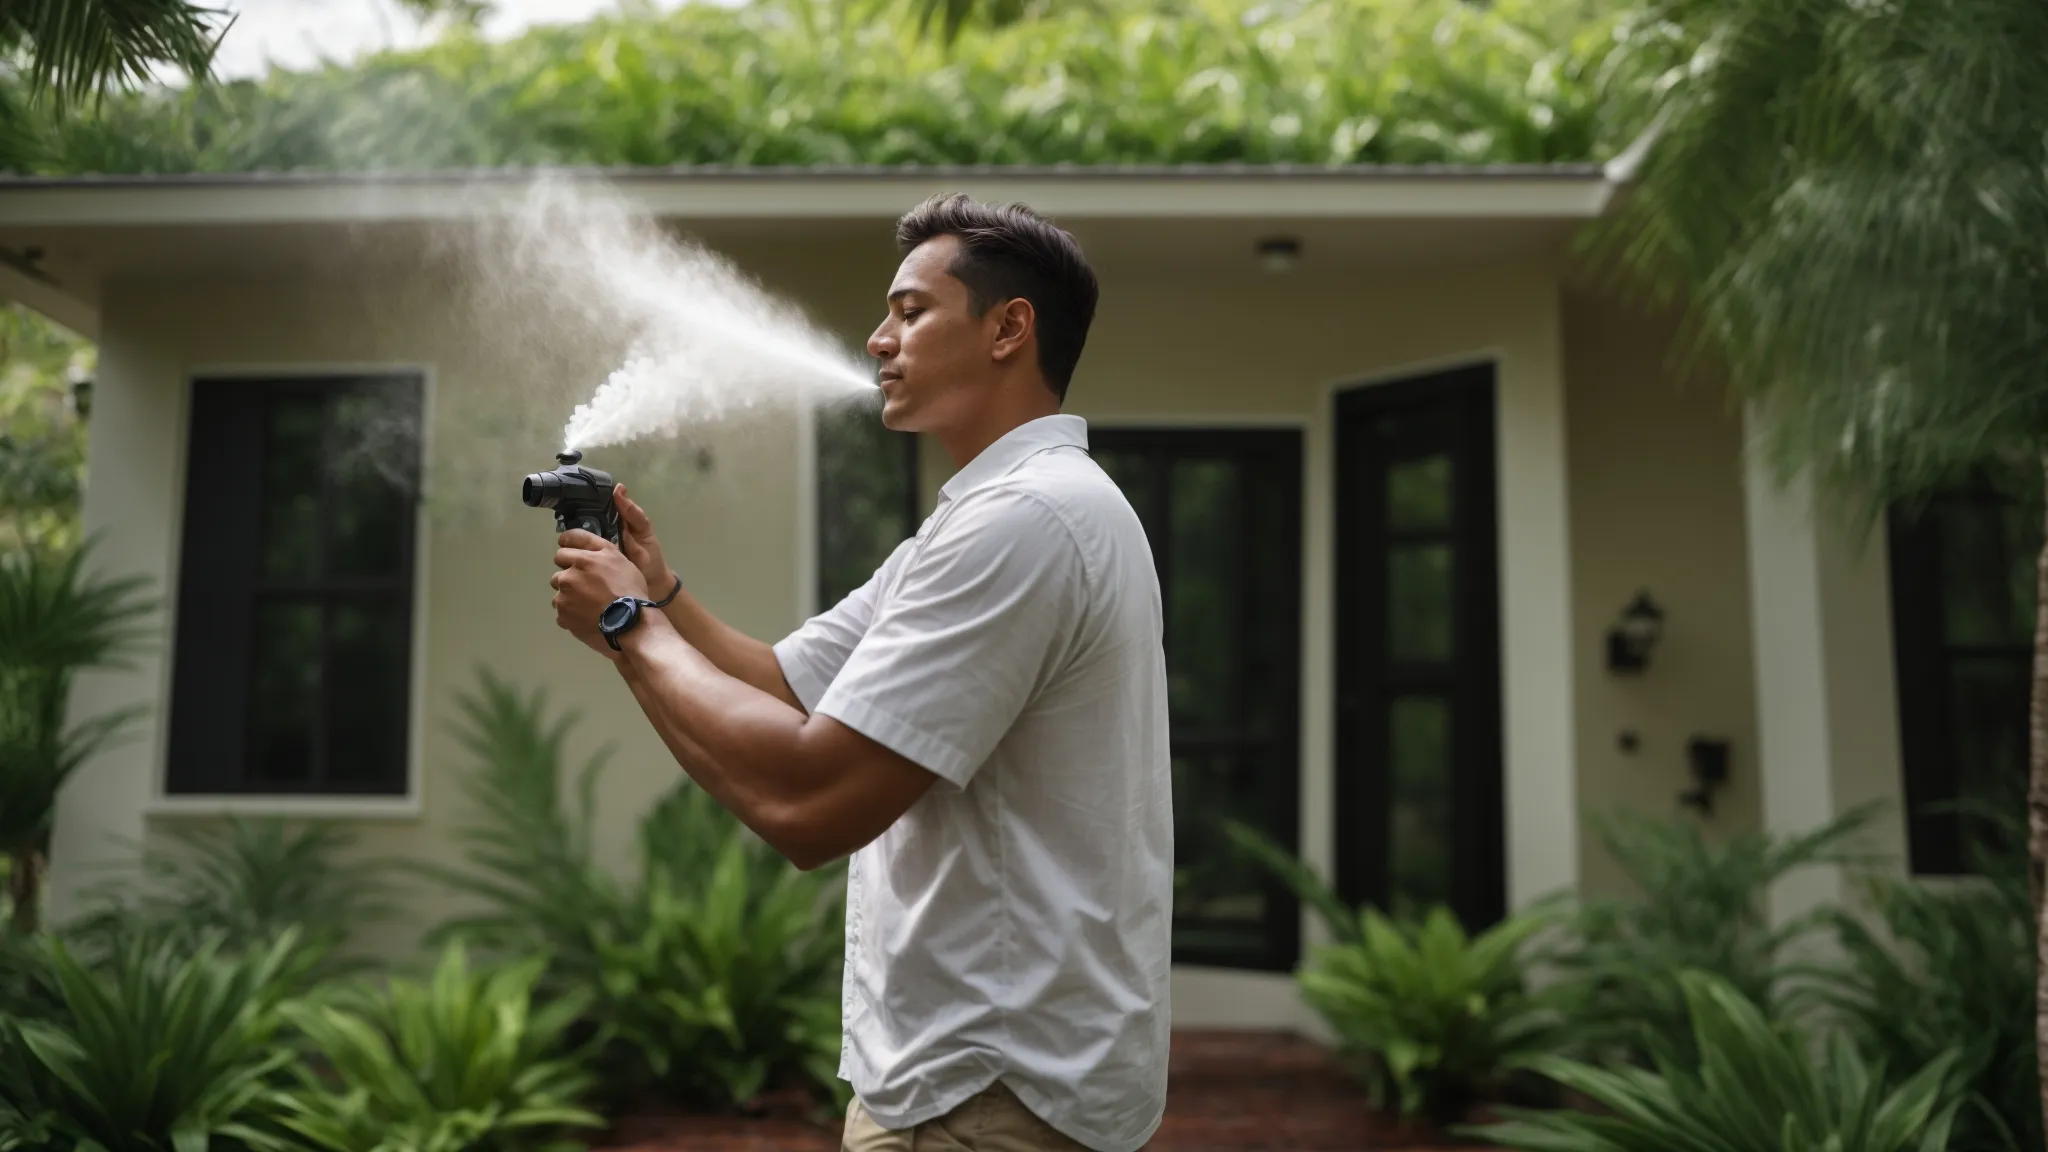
(581, 497)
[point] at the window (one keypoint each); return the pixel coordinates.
(1963, 579)
(1419, 794)
(868, 495)
(1223, 512)
(293, 668)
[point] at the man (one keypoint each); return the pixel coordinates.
(982, 727)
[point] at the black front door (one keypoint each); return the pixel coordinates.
(1418, 787)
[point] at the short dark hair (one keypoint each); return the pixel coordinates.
(1008, 251)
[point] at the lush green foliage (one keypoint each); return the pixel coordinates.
(1435, 1020)
(42, 428)
(1698, 906)
(163, 1048)
(1744, 1085)
(1948, 968)
(1851, 198)
(463, 1062)
(56, 618)
(809, 82)
(246, 882)
(713, 974)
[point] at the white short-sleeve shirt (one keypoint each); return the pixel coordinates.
(1015, 924)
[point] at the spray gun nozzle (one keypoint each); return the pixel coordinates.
(569, 458)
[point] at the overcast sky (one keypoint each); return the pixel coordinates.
(297, 33)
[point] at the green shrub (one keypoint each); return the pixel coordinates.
(464, 1062)
(1741, 1085)
(245, 882)
(1949, 968)
(814, 82)
(1434, 1020)
(166, 1049)
(712, 975)
(56, 618)
(1698, 906)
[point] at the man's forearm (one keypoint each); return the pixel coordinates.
(730, 650)
(740, 743)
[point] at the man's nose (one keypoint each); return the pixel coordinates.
(882, 345)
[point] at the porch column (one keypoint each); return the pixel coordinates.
(131, 512)
(1826, 719)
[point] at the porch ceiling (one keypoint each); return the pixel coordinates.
(63, 240)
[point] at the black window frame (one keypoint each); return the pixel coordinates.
(1366, 675)
(1923, 659)
(212, 712)
(1281, 452)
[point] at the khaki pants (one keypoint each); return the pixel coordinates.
(993, 1120)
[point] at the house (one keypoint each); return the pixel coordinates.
(1414, 491)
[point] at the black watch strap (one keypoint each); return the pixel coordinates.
(672, 594)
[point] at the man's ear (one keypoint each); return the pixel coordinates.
(1015, 322)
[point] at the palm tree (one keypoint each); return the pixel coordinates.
(79, 49)
(1851, 198)
(55, 619)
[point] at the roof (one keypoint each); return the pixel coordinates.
(1575, 191)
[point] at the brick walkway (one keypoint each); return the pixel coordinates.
(1228, 1092)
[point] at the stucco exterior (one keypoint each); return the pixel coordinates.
(1611, 478)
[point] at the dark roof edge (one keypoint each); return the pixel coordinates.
(726, 172)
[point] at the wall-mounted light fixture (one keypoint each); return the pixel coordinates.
(1632, 637)
(1708, 759)
(1279, 253)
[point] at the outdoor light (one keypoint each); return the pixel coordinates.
(1629, 641)
(1279, 253)
(1708, 759)
(81, 395)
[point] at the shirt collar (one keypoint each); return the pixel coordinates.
(1013, 448)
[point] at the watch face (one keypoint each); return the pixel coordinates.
(616, 614)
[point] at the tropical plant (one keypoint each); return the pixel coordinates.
(1434, 1020)
(1948, 967)
(165, 1049)
(54, 621)
(244, 881)
(1848, 199)
(1752, 1085)
(1697, 905)
(43, 411)
(1218, 82)
(713, 974)
(462, 1062)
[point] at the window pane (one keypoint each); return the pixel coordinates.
(1419, 730)
(1419, 596)
(865, 495)
(1988, 700)
(285, 689)
(372, 459)
(1217, 893)
(1419, 493)
(366, 689)
(291, 489)
(1207, 544)
(1988, 557)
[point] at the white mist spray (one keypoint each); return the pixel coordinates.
(704, 342)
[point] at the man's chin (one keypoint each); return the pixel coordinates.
(897, 414)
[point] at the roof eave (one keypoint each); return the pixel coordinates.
(1540, 192)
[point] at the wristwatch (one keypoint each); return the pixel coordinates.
(620, 615)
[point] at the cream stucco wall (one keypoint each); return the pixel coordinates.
(1657, 490)
(1216, 349)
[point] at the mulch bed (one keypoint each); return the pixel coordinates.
(1227, 1092)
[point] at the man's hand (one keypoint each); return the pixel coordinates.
(592, 574)
(636, 539)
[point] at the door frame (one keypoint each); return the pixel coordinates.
(1361, 797)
